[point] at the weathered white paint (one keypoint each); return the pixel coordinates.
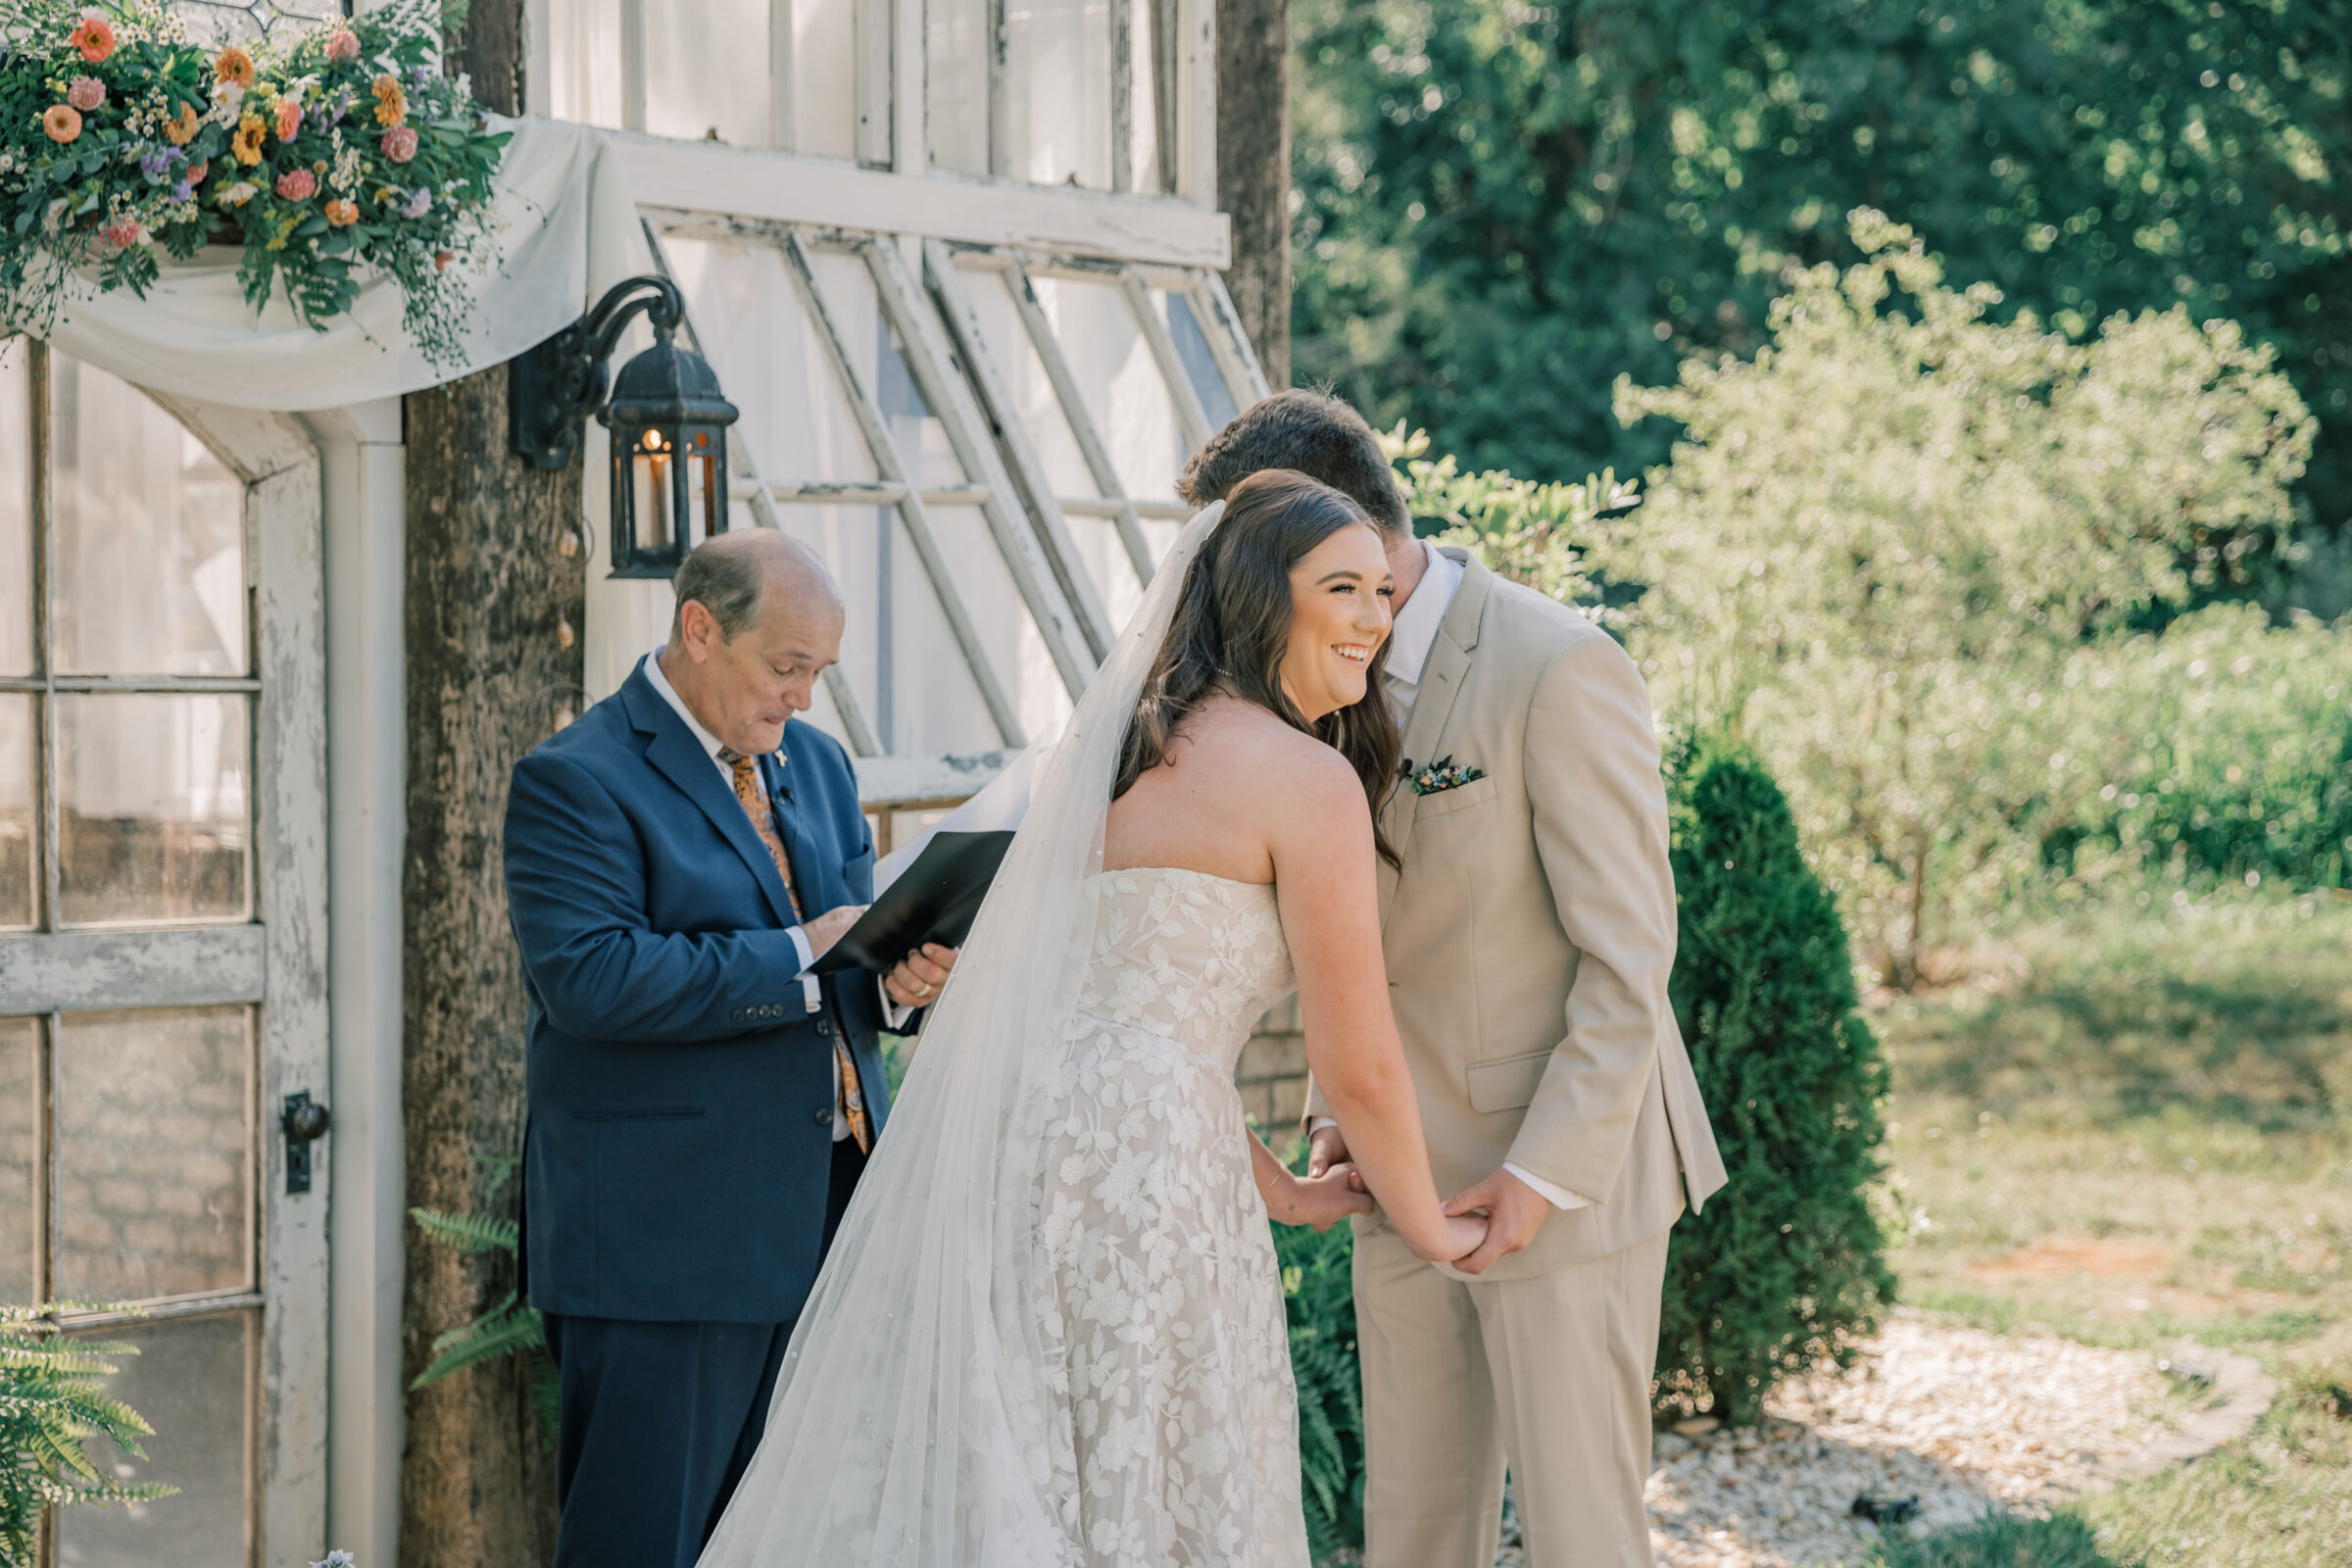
(758, 185)
(1221, 326)
(362, 462)
(1189, 414)
(1196, 114)
(888, 781)
(75, 971)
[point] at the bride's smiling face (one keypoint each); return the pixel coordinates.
(1340, 594)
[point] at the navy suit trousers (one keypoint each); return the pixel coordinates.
(659, 1421)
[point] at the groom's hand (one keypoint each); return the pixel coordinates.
(1325, 1148)
(915, 981)
(1515, 1212)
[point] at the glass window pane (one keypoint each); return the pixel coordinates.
(955, 82)
(19, 864)
(1025, 376)
(921, 435)
(1199, 363)
(15, 508)
(1057, 73)
(152, 808)
(149, 563)
(707, 70)
(1120, 382)
(584, 51)
(939, 711)
(19, 1158)
(824, 77)
(769, 358)
(191, 1381)
(154, 1153)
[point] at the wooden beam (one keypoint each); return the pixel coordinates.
(1190, 415)
(887, 464)
(1228, 342)
(730, 184)
(902, 783)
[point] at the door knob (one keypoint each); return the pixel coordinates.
(304, 1121)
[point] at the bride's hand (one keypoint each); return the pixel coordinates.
(1319, 1201)
(1458, 1240)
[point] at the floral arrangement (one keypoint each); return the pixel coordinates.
(336, 154)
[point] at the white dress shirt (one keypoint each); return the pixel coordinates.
(1411, 640)
(894, 1017)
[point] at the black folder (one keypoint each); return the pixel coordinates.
(935, 900)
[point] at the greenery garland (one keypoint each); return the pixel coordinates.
(340, 153)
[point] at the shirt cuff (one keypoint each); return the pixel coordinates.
(1319, 1123)
(810, 998)
(894, 1017)
(1557, 1196)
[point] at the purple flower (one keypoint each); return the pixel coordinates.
(181, 192)
(421, 76)
(333, 111)
(419, 203)
(156, 163)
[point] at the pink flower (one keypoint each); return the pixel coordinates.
(87, 93)
(93, 37)
(59, 123)
(122, 234)
(342, 44)
(297, 185)
(289, 119)
(400, 144)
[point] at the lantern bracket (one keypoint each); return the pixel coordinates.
(553, 388)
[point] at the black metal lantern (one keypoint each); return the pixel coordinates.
(667, 416)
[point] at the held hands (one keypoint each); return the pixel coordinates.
(1465, 1236)
(1321, 1201)
(915, 980)
(1514, 1211)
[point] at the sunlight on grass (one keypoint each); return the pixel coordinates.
(2147, 1138)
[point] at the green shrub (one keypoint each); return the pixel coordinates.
(1319, 1302)
(1999, 1540)
(52, 1402)
(1784, 1268)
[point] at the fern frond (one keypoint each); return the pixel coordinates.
(471, 1233)
(504, 1330)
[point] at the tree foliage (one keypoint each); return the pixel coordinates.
(1783, 1269)
(1506, 206)
(1878, 538)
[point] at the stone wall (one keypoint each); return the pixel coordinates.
(1272, 1074)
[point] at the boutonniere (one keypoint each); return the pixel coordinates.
(1441, 775)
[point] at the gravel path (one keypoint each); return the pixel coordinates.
(1961, 1420)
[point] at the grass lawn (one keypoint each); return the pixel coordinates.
(2145, 1132)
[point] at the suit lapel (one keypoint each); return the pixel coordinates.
(673, 750)
(1443, 676)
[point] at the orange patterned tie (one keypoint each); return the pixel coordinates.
(754, 800)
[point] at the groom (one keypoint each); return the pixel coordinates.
(699, 1108)
(1528, 937)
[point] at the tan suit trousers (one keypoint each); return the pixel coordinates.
(1547, 1377)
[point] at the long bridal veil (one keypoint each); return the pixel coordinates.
(911, 1425)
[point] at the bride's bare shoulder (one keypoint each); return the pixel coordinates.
(1255, 756)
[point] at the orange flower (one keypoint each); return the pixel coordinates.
(391, 104)
(62, 122)
(182, 128)
(289, 119)
(233, 64)
(342, 214)
(246, 145)
(93, 37)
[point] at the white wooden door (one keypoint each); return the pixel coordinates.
(163, 942)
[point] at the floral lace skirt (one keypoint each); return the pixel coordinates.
(1170, 1420)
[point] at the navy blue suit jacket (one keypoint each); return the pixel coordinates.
(680, 1099)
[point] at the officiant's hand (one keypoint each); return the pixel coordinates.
(915, 981)
(830, 927)
(1514, 1210)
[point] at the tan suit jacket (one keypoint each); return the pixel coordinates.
(1530, 932)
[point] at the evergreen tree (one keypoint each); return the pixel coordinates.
(1784, 1268)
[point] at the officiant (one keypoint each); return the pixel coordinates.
(700, 1102)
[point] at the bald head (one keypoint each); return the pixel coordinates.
(736, 575)
(758, 618)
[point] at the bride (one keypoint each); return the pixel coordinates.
(1051, 1332)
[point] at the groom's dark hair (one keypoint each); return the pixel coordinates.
(1308, 432)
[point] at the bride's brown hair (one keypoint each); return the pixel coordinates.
(1232, 627)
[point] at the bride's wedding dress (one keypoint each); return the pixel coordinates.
(1050, 1334)
(1171, 1417)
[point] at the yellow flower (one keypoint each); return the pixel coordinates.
(246, 145)
(391, 104)
(233, 64)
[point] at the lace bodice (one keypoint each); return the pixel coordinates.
(1193, 958)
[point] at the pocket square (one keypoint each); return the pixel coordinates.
(1441, 775)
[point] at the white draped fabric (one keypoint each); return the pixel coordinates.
(565, 230)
